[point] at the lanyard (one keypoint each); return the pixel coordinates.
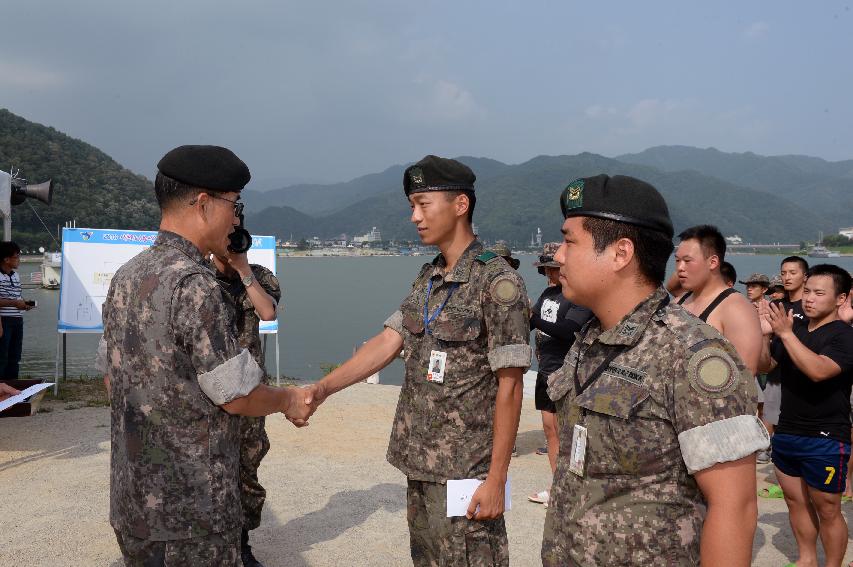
(430, 318)
(616, 351)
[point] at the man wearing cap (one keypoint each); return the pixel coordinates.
(556, 321)
(464, 327)
(504, 252)
(756, 287)
(656, 410)
(775, 288)
(178, 375)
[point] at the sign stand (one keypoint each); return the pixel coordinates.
(91, 256)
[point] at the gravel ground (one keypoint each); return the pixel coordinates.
(332, 497)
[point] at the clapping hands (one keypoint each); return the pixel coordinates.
(781, 323)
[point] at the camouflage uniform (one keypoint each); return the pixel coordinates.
(173, 358)
(676, 400)
(444, 431)
(254, 443)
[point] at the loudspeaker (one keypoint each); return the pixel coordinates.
(42, 192)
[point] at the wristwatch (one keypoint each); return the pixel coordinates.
(247, 279)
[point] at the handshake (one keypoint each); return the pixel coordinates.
(301, 403)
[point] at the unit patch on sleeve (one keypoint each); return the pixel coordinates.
(713, 372)
(504, 290)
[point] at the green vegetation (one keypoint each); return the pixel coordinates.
(89, 186)
(512, 201)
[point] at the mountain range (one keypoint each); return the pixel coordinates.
(761, 198)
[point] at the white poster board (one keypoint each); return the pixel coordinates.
(90, 257)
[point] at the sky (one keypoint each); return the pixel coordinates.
(327, 91)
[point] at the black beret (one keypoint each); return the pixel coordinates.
(434, 173)
(619, 198)
(207, 167)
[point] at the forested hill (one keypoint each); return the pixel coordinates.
(88, 184)
(513, 200)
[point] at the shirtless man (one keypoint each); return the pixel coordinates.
(697, 261)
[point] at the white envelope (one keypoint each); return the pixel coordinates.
(460, 492)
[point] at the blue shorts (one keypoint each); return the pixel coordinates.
(821, 462)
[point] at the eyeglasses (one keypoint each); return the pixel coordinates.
(546, 258)
(238, 206)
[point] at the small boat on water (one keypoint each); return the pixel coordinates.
(821, 251)
(51, 270)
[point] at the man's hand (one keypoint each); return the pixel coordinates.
(240, 263)
(764, 317)
(298, 410)
(22, 305)
(312, 396)
(781, 323)
(6, 391)
(316, 394)
(489, 496)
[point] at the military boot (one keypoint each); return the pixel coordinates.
(246, 552)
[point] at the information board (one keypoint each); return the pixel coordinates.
(90, 258)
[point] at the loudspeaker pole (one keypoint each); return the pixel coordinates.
(6, 204)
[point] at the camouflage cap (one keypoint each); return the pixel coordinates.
(503, 250)
(775, 281)
(757, 278)
(435, 173)
(546, 259)
(619, 198)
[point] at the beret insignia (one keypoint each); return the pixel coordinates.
(504, 290)
(573, 195)
(712, 372)
(416, 176)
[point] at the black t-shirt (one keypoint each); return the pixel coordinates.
(817, 409)
(558, 319)
(799, 319)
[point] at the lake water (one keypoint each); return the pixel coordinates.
(329, 307)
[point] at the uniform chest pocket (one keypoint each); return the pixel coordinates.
(613, 395)
(456, 324)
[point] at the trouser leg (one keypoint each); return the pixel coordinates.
(214, 550)
(439, 541)
(254, 445)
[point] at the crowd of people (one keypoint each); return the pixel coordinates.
(649, 398)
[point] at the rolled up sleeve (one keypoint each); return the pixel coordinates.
(715, 408)
(203, 320)
(232, 379)
(395, 322)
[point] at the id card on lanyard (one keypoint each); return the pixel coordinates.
(437, 359)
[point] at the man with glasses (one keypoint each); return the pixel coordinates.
(179, 377)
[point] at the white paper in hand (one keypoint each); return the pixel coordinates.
(460, 492)
(18, 398)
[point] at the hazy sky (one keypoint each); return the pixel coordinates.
(332, 90)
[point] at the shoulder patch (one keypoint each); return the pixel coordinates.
(487, 256)
(504, 289)
(712, 372)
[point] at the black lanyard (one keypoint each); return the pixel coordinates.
(616, 351)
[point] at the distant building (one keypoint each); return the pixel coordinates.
(735, 239)
(848, 232)
(373, 236)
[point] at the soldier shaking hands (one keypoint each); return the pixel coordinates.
(179, 375)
